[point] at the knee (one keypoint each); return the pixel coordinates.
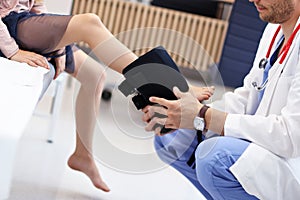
(206, 157)
(95, 80)
(92, 77)
(88, 20)
(91, 18)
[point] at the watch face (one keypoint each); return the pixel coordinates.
(199, 123)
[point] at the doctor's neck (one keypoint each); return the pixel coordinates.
(288, 27)
(287, 15)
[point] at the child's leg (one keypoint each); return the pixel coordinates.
(90, 29)
(91, 75)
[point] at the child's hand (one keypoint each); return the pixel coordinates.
(31, 58)
(202, 93)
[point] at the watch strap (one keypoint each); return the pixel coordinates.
(203, 111)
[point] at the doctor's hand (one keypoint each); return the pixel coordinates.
(178, 113)
(31, 58)
(155, 118)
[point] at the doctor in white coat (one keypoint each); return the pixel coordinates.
(259, 155)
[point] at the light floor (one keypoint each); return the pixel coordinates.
(124, 153)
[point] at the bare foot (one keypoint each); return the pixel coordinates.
(87, 166)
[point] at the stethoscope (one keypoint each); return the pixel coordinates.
(264, 61)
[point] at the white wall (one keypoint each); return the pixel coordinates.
(59, 6)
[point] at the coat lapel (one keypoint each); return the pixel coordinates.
(274, 75)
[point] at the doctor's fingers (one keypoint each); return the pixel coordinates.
(146, 118)
(145, 110)
(157, 111)
(161, 101)
(148, 113)
(154, 111)
(152, 124)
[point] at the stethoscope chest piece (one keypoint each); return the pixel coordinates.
(262, 63)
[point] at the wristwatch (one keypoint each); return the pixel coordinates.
(199, 122)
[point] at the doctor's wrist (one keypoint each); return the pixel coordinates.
(215, 120)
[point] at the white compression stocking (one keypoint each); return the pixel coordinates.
(114, 54)
(91, 76)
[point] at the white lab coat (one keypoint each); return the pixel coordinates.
(270, 166)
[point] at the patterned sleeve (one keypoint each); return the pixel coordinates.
(8, 45)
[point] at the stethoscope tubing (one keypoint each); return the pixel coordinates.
(282, 54)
